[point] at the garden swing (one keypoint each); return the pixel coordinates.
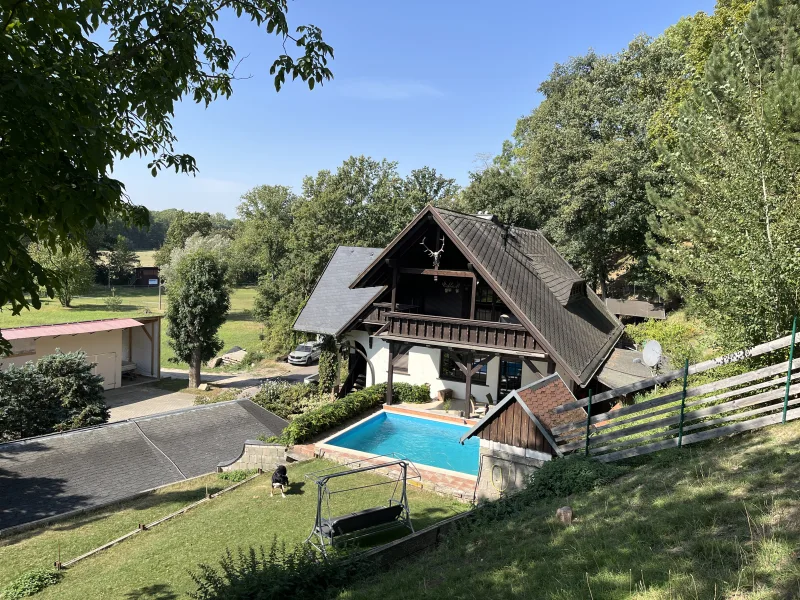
(329, 529)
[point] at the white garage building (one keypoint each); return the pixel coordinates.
(118, 347)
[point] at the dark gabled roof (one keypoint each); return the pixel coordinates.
(514, 396)
(333, 304)
(543, 291)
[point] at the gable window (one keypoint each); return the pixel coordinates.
(400, 362)
(449, 370)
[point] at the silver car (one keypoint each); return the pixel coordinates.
(305, 354)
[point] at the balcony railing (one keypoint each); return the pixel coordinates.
(460, 332)
(377, 315)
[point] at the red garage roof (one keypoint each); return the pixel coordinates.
(37, 331)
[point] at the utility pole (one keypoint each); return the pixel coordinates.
(159, 292)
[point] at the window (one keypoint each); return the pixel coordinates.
(400, 362)
(449, 370)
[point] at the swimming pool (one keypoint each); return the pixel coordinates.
(422, 441)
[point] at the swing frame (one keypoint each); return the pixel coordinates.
(324, 535)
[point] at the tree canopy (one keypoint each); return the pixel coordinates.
(117, 68)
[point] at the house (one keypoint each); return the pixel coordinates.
(118, 347)
(146, 276)
(462, 303)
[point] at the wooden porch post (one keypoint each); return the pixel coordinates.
(474, 294)
(390, 378)
(468, 386)
(394, 288)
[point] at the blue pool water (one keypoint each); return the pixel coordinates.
(423, 441)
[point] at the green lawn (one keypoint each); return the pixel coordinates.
(160, 559)
(717, 520)
(239, 330)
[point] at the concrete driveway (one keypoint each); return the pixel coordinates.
(59, 473)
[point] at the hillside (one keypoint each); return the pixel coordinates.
(717, 520)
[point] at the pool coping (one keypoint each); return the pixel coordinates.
(441, 480)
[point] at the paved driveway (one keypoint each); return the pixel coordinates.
(54, 474)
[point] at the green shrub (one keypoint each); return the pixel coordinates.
(680, 338)
(236, 476)
(327, 365)
(30, 583)
(80, 390)
(279, 574)
(562, 477)
(252, 358)
(289, 399)
(414, 394)
(313, 422)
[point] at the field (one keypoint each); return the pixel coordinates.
(716, 520)
(159, 560)
(239, 330)
(146, 258)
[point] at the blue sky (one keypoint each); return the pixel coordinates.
(422, 83)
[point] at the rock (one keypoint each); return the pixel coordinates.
(564, 514)
(214, 362)
(234, 358)
(204, 387)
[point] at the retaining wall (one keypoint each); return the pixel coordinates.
(256, 455)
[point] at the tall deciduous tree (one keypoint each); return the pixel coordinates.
(198, 302)
(116, 97)
(728, 238)
(183, 226)
(72, 270)
(122, 261)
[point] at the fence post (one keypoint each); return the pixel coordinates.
(588, 420)
(789, 370)
(683, 401)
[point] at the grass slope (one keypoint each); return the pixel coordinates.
(239, 330)
(156, 564)
(719, 520)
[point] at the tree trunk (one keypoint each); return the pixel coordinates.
(603, 287)
(194, 369)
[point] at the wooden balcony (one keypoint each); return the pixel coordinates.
(460, 333)
(380, 310)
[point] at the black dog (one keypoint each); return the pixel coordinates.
(280, 480)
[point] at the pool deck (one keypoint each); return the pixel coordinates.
(441, 481)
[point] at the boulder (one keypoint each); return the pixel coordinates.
(204, 387)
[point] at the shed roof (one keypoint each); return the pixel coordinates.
(515, 398)
(636, 308)
(333, 304)
(37, 331)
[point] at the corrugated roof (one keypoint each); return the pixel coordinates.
(37, 331)
(332, 303)
(577, 326)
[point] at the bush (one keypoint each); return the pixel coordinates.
(680, 338)
(414, 394)
(562, 477)
(288, 400)
(80, 391)
(327, 365)
(30, 583)
(113, 302)
(252, 358)
(299, 574)
(236, 476)
(307, 425)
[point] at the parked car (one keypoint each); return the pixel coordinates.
(305, 354)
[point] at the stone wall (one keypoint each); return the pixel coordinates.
(256, 455)
(505, 469)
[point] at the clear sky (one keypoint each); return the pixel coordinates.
(419, 82)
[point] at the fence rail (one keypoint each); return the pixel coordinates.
(751, 400)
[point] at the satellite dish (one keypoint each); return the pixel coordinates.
(651, 355)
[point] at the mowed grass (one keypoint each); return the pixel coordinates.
(239, 330)
(146, 257)
(717, 520)
(160, 559)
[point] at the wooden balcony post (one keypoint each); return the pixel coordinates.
(390, 378)
(468, 386)
(474, 294)
(394, 288)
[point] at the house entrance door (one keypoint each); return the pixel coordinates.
(510, 377)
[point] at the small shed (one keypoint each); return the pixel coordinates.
(119, 348)
(515, 439)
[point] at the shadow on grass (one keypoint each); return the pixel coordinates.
(722, 520)
(158, 591)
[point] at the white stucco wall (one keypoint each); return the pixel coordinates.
(423, 367)
(103, 347)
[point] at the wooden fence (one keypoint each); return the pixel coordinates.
(764, 396)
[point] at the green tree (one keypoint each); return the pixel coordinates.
(501, 191)
(29, 403)
(78, 389)
(217, 245)
(181, 228)
(117, 68)
(71, 270)
(121, 260)
(198, 302)
(728, 238)
(585, 157)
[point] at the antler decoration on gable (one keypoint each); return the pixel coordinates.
(436, 256)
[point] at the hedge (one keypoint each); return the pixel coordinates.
(413, 394)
